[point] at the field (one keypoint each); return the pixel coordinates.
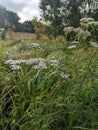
(20, 35)
(48, 85)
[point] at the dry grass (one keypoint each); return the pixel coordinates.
(20, 35)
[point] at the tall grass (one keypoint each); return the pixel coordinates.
(42, 99)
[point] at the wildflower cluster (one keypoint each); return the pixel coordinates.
(68, 29)
(16, 64)
(78, 34)
(86, 20)
(15, 67)
(64, 76)
(41, 65)
(72, 47)
(90, 25)
(68, 32)
(54, 63)
(38, 63)
(35, 45)
(88, 30)
(93, 43)
(78, 29)
(75, 42)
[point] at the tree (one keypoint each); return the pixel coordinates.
(7, 25)
(60, 13)
(12, 18)
(28, 27)
(52, 15)
(2, 16)
(89, 8)
(8, 19)
(93, 9)
(39, 27)
(73, 12)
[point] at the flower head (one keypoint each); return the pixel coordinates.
(35, 45)
(93, 44)
(64, 76)
(68, 29)
(15, 67)
(72, 47)
(85, 20)
(54, 63)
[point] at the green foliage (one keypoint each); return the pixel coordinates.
(39, 27)
(87, 31)
(73, 13)
(90, 25)
(8, 18)
(48, 99)
(10, 21)
(95, 14)
(59, 14)
(3, 35)
(52, 15)
(27, 26)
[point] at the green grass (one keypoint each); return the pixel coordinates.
(43, 100)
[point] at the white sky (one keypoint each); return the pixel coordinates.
(26, 9)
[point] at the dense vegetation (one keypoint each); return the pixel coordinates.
(61, 95)
(55, 16)
(61, 13)
(51, 84)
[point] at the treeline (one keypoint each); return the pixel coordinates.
(10, 21)
(55, 15)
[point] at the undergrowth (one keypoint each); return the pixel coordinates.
(42, 99)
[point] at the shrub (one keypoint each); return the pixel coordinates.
(90, 25)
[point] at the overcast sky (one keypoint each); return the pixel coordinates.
(26, 9)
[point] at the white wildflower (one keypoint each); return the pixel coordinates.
(64, 76)
(72, 47)
(1, 29)
(84, 33)
(54, 63)
(93, 44)
(41, 65)
(68, 12)
(95, 23)
(85, 20)
(75, 42)
(34, 61)
(81, 32)
(15, 67)
(35, 45)
(77, 30)
(7, 79)
(15, 63)
(27, 62)
(68, 29)
(87, 33)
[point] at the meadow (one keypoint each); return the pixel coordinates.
(48, 85)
